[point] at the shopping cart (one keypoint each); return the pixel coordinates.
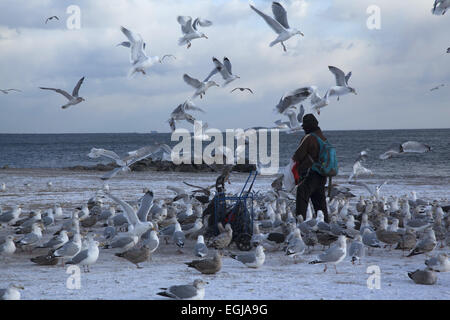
(238, 212)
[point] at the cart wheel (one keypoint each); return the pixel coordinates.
(243, 242)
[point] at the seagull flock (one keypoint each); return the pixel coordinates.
(132, 229)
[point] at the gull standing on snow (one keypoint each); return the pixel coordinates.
(195, 291)
(87, 257)
(189, 29)
(74, 98)
(199, 86)
(341, 88)
(138, 58)
(11, 293)
(333, 255)
(200, 249)
(224, 69)
(280, 24)
(251, 259)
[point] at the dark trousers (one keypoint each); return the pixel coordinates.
(312, 187)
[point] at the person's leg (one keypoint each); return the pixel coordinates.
(318, 197)
(303, 194)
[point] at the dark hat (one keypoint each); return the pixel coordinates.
(309, 121)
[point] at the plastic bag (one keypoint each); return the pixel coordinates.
(288, 176)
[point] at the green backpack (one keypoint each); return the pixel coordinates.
(327, 165)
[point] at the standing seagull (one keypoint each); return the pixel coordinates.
(74, 98)
(139, 60)
(200, 86)
(341, 88)
(279, 24)
(190, 31)
(224, 69)
(333, 255)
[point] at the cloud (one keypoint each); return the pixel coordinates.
(393, 68)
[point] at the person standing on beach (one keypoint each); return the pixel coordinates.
(312, 184)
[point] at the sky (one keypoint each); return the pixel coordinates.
(393, 67)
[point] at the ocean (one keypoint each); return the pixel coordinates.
(67, 150)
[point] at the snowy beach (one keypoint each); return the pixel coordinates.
(279, 278)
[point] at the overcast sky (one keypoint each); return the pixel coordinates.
(393, 69)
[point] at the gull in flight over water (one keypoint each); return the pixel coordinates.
(199, 86)
(189, 29)
(138, 58)
(341, 87)
(295, 120)
(437, 87)
(133, 157)
(74, 98)
(224, 69)
(180, 113)
(280, 24)
(292, 98)
(318, 102)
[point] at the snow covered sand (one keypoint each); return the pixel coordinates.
(115, 278)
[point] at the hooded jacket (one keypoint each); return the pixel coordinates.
(308, 152)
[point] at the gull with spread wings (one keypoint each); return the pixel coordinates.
(138, 58)
(341, 88)
(280, 24)
(6, 91)
(73, 98)
(189, 29)
(224, 69)
(199, 86)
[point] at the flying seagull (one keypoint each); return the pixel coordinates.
(292, 98)
(318, 102)
(341, 87)
(180, 113)
(51, 18)
(6, 91)
(280, 24)
(138, 58)
(224, 69)
(440, 7)
(242, 89)
(133, 157)
(74, 98)
(189, 29)
(437, 87)
(199, 86)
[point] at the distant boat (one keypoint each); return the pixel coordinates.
(153, 131)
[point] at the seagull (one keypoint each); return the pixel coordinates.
(138, 58)
(414, 147)
(11, 293)
(195, 291)
(292, 98)
(333, 255)
(51, 18)
(440, 7)
(199, 86)
(6, 91)
(318, 102)
(242, 89)
(133, 157)
(251, 259)
(280, 24)
(189, 29)
(179, 114)
(359, 169)
(86, 257)
(341, 87)
(224, 69)
(373, 191)
(437, 87)
(295, 120)
(74, 98)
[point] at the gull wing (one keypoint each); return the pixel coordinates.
(274, 24)
(347, 77)
(201, 22)
(146, 204)
(188, 105)
(186, 24)
(140, 154)
(227, 64)
(339, 75)
(280, 14)
(64, 93)
(191, 81)
(113, 172)
(95, 153)
(301, 113)
(77, 87)
(132, 216)
(362, 184)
